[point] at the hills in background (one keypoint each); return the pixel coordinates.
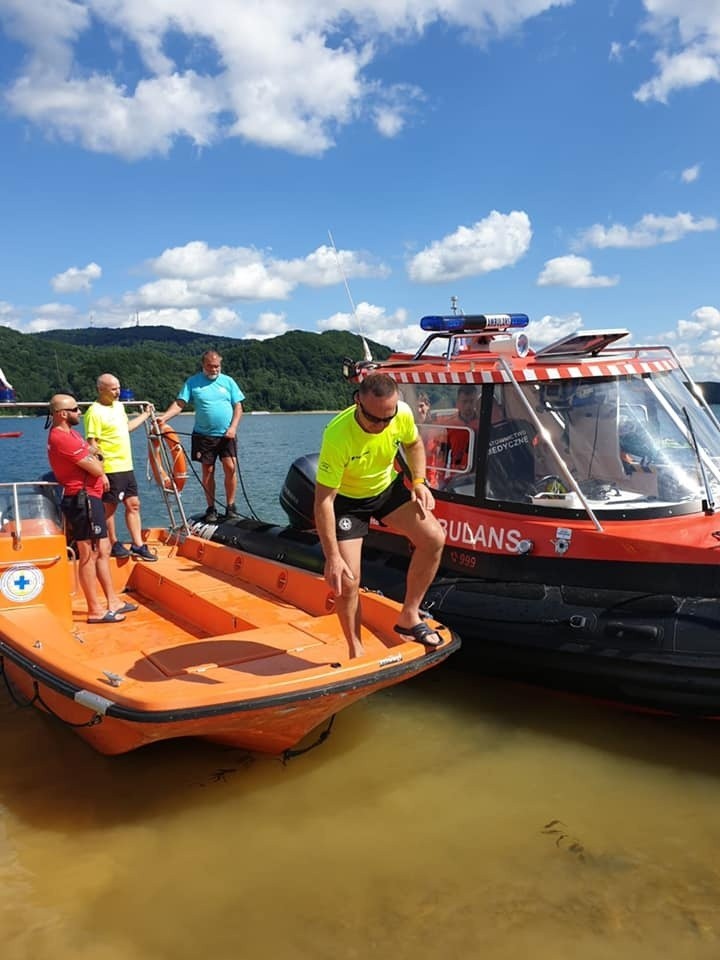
(295, 371)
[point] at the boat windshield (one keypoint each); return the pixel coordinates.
(633, 442)
(31, 507)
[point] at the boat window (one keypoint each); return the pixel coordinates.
(35, 502)
(622, 442)
(514, 456)
(447, 420)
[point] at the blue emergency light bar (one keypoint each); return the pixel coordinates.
(489, 322)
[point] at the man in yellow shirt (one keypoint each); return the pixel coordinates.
(107, 430)
(357, 481)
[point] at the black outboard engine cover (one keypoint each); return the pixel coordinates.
(298, 492)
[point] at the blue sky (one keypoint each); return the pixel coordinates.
(179, 162)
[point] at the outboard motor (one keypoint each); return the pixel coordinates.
(298, 492)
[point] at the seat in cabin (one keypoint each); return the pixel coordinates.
(593, 450)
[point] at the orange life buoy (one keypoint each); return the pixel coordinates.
(171, 452)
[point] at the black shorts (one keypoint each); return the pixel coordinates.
(85, 516)
(208, 449)
(352, 515)
(122, 484)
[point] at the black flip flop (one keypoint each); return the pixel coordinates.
(421, 632)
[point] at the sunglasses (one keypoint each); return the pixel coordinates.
(69, 409)
(371, 418)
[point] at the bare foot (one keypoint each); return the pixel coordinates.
(356, 650)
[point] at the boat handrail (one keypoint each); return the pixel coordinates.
(43, 404)
(535, 420)
(170, 494)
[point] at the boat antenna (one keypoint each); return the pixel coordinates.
(367, 355)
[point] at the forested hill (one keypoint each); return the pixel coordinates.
(296, 371)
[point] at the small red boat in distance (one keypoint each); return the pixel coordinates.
(10, 434)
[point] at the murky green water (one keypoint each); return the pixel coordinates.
(418, 830)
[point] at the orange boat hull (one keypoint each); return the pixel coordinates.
(224, 646)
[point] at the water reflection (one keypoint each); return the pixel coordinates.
(419, 829)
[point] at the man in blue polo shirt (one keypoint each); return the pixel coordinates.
(217, 400)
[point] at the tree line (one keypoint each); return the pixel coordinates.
(293, 372)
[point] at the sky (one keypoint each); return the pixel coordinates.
(248, 167)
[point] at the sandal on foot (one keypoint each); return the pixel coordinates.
(421, 632)
(126, 608)
(109, 617)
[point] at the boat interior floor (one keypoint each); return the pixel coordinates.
(197, 622)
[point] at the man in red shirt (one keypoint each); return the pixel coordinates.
(451, 450)
(83, 479)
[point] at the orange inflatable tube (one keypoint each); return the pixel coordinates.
(172, 453)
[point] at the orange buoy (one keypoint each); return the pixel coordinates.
(166, 448)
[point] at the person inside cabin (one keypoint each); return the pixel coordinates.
(357, 481)
(511, 467)
(217, 400)
(108, 429)
(80, 473)
(449, 454)
(422, 407)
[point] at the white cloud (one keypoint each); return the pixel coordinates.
(268, 325)
(281, 74)
(498, 241)
(374, 323)
(690, 174)
(223, 320)
(54, 316)
(76, 278)
(572, 271)
(649, 231)
(200, 275)
(320, 268)
(688, 34)
(708, 317)
(550, 328)
(697, 342)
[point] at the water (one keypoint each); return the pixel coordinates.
(267, 445)
(453, 816)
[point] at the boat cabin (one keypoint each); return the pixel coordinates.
(585, 426)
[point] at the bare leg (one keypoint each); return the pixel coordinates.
(428, 539)
(347, 605)
(102, 571)
(86, 576)
(110, 509)
(132, 520)
(228, 464)
(208, 482)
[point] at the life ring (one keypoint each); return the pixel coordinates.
(171, 452)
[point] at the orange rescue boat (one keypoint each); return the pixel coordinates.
(225, 646)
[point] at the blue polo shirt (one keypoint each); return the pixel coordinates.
(213, 400)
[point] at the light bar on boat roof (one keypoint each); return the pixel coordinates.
(489, 322)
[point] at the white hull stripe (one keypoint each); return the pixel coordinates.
(530, 373)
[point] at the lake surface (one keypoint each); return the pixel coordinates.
(267, 445)
(451, 817)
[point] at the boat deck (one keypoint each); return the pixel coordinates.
(191, 619)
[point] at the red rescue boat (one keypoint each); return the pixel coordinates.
(579, 488)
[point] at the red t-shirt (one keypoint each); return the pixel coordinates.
(65, 449)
